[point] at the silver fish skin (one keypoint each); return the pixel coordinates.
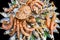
(56, 31)
(57, 21)
(7, 32)
(58, 26)
(4, 19)
(13, 37)
(4, 14)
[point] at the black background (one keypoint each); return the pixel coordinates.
(4, 3)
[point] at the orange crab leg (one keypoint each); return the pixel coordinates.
(18, 30)
(9, 25)
(11, 8)
(41, 3)
(22, 30)
(14, 28)
(28, 2)
(38, 5)
(26, 28)
(48, 21)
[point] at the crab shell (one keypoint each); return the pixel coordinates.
(24, 12)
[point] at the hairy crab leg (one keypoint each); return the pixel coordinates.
(18, 30)
(26, 28)
(14, 28)
(22, 30)
(38, 4)
(9, 25)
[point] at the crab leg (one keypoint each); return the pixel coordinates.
(41, 3)
(35, 2)
(48, 20)
(38, 4)
(14, 29)
(22, 30)
(10, 9)
(28, 2)
(26, 28)
(18, 30)
(9, 25)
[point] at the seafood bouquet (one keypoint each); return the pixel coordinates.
(30, 20)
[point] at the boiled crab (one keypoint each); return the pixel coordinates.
(19, 22)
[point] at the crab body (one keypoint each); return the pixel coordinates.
(24, 12)
(19, 22)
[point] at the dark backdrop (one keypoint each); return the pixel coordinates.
(4, 3)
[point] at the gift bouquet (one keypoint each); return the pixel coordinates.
(39, 24)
